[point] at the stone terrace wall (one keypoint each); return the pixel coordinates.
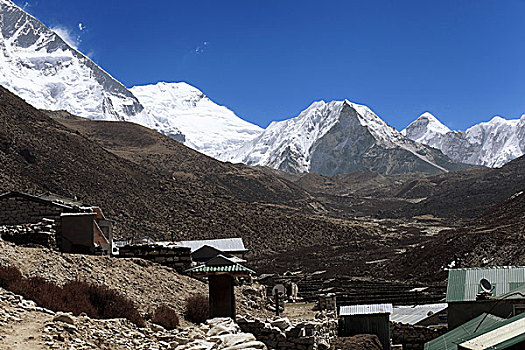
(42, 233)
(21, 210)
(414, 337)
(281, 334)
(174, 256)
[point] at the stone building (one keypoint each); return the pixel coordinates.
(204, 250)
(78, 228)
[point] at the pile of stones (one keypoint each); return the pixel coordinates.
(280, 333)
(414, 336)
(42, 233)
(61, 330)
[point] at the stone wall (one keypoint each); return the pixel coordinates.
(177, 257)
(282, 334)
(327, 302)
(414, 337)
(42, 233)
(22, 210)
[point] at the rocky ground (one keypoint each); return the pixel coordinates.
(23, 325)
(145, 283)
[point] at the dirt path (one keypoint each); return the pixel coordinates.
(299, 311)
(26, 334)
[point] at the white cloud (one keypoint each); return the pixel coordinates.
(71, 38)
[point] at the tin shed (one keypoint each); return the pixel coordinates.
(366, 319)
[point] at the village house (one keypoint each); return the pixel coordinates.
(78, 228)
(495, 290)
(366, 319)
(204, 250)
(485, 331)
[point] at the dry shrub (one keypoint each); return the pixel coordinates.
(111, 304)
(8, 275)
(75, 296)
(41, 291)
(197, 308)
(166, 317)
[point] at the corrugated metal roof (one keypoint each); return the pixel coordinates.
(224, 244)
(451, 339)
(413, 314)
(503, 336)
(365, 309)
(227, 268)
(220, 263)
(463, 284)
(516, 293)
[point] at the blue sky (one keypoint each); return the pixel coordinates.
(464, 61)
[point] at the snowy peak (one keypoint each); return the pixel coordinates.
(424, 128)
(491, 143)
(337, 137)
(37, 65)
(181, 95)
(208, 127)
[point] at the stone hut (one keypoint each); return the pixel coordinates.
(204, 250)
(78, 228)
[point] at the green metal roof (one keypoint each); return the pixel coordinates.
(227, 268)
(450, 340)
(463, 284)
(500, 335)
(220, 263)
(465, 332)
(515, 293)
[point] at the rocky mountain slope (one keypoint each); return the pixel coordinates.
(494, 239)
(209, 128)
(339, 137)
(465, 194)
(491, 143)
(152, 185)
(131, 277)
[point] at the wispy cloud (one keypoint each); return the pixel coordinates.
(69, 36)
(201, 48)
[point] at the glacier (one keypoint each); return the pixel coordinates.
(208, 127)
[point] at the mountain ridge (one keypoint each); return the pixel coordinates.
(492, 143)
(334, 137)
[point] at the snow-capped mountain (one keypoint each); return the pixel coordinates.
(209, 128)
(339, 137)
(40, 67)
(37, 65)
(425, 129)
(491, 143)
